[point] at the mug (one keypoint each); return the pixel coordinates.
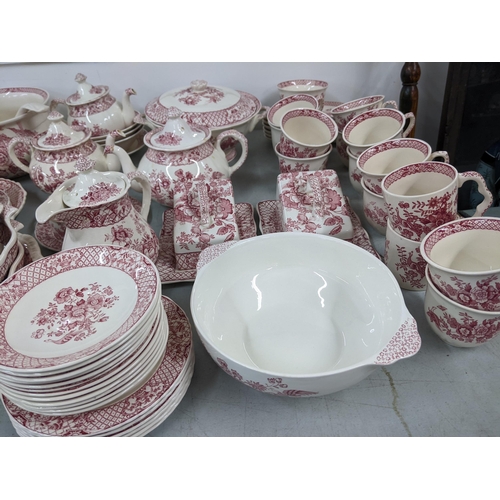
(422, 196)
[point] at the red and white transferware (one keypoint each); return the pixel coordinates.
(106, 292)
(375, 126)
(375, 209)
(93, 107)
(402, 256)
(464, 261)
(217, 108)
(313, 202)
(306, 133)
(456, 324)
(95, 209)
(178, 152)
(382, 159)
(205, 214)
(422, 196)
(315, 88)
(54, 153)
(288, 165)
(23, 114)
(139, 412)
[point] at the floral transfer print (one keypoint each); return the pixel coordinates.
(465, 329)
(74, 313)
(273, 386)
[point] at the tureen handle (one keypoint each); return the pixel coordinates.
(146, 191)
(12, 153)
(244, 148)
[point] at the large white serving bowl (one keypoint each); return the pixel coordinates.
(298, 314)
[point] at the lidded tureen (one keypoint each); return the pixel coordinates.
(94, 107)
(218, 108)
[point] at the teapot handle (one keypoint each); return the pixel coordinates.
(146, 191)
(12, 153)
(244, 147)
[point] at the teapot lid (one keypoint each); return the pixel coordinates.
(177, 134)
(86, 92)
(93, 188)
(201, 104)
(60, 135)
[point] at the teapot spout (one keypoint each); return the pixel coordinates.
(127, 165)
(127, 108)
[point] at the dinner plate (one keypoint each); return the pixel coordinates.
(73, 306)
(132, 409)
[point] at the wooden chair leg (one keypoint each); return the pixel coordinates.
(408, 97)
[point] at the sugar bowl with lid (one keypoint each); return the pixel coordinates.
(55, 152)
(180, 151)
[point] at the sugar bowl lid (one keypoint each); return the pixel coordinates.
(177, 134)
(201, 104)
(59, 135)
(93, 188)
(86, 92)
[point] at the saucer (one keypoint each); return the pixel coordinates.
(270, 222)
(166, 259)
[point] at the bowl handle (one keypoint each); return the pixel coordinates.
(404, 343)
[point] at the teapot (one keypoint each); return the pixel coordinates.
(96, 209)
(93, 107)
(181, 151)
(54, 153)
(23, 113)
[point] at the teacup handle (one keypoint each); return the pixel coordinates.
(146, 191)
(440, 154)
(390, 104)
(12, 153)
(481, 187)
(244, 148)
(409, 116)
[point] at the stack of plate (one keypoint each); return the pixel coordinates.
(138, 413)
(132, 141)
(80, 330)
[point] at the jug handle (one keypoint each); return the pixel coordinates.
(481, 187)
(409, 116)
(12, 153)
(146, 191)
(244, 147)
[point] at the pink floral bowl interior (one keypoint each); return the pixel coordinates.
(455, 323)
(463, 260)
(289, 321)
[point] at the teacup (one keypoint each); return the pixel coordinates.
(277, 111)
(379, 160)
(374, 209)
(464, 261)
(375, 126)
(307, 133)
(423, 196)
(316, 88)
(354, 173)
(287, 164)
(402, 256)
(456, 324)
(346, 111)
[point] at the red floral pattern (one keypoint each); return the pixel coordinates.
(274, 385)
(92, 108)
(99, 193)
(410, 266)
(72, 314)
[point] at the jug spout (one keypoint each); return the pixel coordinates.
(53, 207)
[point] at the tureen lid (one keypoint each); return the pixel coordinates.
(177, 134)
(60, 135)
(92, 187)
(86, 92)
(201, 104)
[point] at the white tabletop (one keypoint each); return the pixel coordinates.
(441, 391)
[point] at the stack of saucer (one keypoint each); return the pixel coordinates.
(138, 413)
(80, 330)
